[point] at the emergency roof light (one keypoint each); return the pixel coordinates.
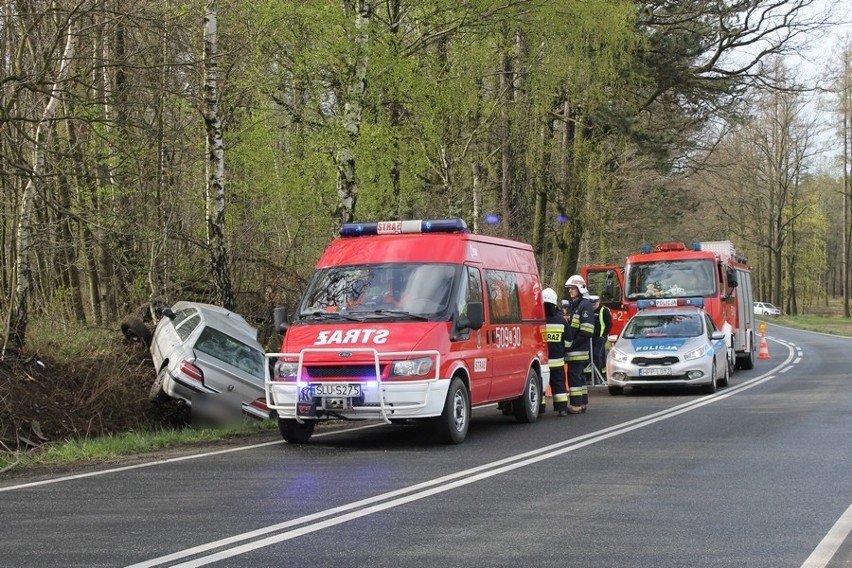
(403, 227)
(669, 247)
(669, 303)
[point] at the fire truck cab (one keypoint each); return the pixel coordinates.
(669, 272)
(412, 320)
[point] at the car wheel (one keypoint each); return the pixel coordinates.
(711, 388)
(136, 331)
(295, 433)
(526, 406)
(615, 391)
(723, 382)
(156, 393)
(453, 423)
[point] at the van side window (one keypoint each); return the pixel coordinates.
(470, 289)
(504, 302)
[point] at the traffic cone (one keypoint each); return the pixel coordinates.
(764, 348)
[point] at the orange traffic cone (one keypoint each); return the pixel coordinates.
(764, 348)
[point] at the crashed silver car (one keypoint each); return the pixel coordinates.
(209, 358)
(673, 346)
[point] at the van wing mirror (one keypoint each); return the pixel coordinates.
(474, 316)
(279, 320)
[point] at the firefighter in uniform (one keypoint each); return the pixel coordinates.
(603, 325)
(556, 333)
(581, 328)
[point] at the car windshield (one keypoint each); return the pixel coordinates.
(658, 325)
(670, 279)
(380, 290)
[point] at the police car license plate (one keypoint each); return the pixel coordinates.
(654, 372)
(336, 390)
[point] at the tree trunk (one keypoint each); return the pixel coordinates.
(347, 182)
(219, 263)
(20, 316)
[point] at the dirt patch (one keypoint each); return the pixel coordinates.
(44, 401)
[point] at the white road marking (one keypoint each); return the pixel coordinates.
(827, 548)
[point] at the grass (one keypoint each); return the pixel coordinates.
(112, 447)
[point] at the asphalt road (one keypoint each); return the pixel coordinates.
(757, 475)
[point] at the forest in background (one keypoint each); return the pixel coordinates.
(153, 151)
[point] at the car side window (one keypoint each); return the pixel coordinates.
(186, 327)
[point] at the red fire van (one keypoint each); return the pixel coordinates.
(412, 320)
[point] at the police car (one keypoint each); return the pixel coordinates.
(669, 342)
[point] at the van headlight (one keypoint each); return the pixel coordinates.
(696, 353)
(412, 367)
(284, 371)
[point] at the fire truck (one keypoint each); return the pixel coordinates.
(670, 274)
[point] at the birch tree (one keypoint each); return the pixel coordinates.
(19, 315)
(215, 192)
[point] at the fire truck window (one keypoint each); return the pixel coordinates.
(504, 303)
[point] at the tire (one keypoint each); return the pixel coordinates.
(747, 362)
(295, 433)
(527, 405)
(711, 388)
(136, 331)
(615, 391)
(156, 392)
(451, 427)
(723, 382)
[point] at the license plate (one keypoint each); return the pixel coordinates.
(654, 372)
(335, 390)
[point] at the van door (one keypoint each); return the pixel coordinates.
(469, 344)
(504, 334)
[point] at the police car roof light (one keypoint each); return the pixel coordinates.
(404, 227)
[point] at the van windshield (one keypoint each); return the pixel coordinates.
(395, 290)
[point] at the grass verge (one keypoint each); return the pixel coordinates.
(113, 447)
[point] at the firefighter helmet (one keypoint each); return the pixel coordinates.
(578, 282)
(548, 295)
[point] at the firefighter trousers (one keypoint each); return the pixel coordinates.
(557, 388)
(578, 392)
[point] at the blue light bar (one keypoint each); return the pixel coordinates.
(646, 249)
(696, 245)
(403, 227)
(670, 303)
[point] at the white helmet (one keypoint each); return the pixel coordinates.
(548, 295)
(577, 281)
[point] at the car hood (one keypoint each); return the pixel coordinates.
(659, 344)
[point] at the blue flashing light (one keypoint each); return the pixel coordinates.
(646, 249)
(562, 218)
(493, 219)
(696, 245)
(403, 227)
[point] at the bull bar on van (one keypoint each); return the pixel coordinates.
(378, 399)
